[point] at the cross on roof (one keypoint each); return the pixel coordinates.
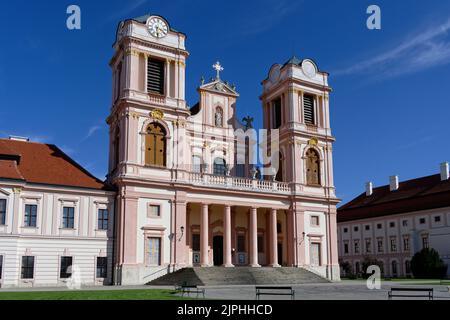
(218, 68)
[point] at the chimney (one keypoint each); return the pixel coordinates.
(393, 183)
(369, 188)
(444, 171)
(17, 138)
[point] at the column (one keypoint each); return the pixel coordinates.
(273, 238)
(227, 237)
(204, 237)
(254, 237)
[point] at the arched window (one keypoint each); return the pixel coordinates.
(196, 164)
(218, 117)
(407, 267)
(312, 167)
(394, 268)
(155, 145)
(220, 167)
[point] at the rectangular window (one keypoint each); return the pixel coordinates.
(2, 212)
(355, 229)
(65, 270)
(308, 109)
(102, 267)
(30, 215)
(437, 219)
(1, 266)
(315, 254)
(356, 246)
(68, 218)
(154, 211)
(392, 224)
(393, 244)
(380, 245)
(367, 227)
(103, 218)
(422, 221)
(155, 76)
(315, 221)
(196, 242)
(260, 244)
(154, 251)
(346, 248)
(425, 243)
(345, 230)
(368, 245)
(241, 243)
(379, 226)
(405, 223)
(27, 267)
(405, 243)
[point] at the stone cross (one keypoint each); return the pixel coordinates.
(218, 68)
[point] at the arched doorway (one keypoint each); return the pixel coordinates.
(218, 250)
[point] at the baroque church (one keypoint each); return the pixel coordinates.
(183, 198)
(178, 192)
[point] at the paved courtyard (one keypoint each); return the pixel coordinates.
(344, 290)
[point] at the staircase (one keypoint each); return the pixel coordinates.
(238, 276)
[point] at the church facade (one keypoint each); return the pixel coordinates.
(188, 193)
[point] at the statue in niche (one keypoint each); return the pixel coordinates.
(219, 117)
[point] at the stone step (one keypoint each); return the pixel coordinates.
(239, 276)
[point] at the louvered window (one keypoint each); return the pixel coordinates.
(155, 76)
(308, 107)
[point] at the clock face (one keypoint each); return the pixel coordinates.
(309, 69)
(157, 27)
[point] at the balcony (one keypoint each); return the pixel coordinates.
(238, 183)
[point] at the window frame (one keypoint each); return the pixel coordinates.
(27, 267)
(3, 214)
(105, 270)
(29, 216)
(222, 166)
(149, 211)
(102, 219)
(68, 219)
(313, 109)
(147, 250)
(63, 274)
(313, 223)
(161, 91)
(2, 260)
(150, 139)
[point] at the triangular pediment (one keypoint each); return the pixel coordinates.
(219, 86)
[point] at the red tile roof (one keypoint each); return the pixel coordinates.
(43, 164)
(412, 195)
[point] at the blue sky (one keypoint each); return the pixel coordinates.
(390, 105)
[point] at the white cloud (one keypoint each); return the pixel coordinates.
(91, 131)
(421, 51)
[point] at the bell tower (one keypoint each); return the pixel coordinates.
(148, 71)
(295, 101)
(147, 129)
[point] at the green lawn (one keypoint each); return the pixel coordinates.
(151, 294)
